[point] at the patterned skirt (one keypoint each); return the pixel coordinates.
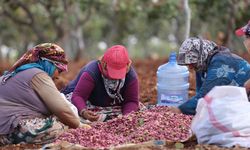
(34, 131)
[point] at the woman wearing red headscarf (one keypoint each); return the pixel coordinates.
(105, 88)
(29, 98)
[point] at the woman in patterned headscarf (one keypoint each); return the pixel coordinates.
(214, 65)
(29, 98)
(46, 57)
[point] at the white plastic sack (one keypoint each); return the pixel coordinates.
(222, 117)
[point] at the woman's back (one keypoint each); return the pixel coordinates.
(18, 100)
(228, 65)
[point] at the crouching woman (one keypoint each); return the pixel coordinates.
(105, 88)
(31, 108)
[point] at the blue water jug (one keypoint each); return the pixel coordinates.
(172, 83)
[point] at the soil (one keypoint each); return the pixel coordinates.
(146, 70)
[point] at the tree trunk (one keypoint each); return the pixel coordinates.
(80, 44)
(177, 32)
(231, 23)
(187, 12)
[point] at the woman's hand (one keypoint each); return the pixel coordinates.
(175, 110)
(90, 115)
(83, 125)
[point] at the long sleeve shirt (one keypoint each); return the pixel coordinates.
(46, 89)
(89, 86)
(32, 93)
(224, 68)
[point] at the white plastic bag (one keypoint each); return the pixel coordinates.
(222, 117)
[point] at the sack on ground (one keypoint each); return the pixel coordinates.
(222, 117)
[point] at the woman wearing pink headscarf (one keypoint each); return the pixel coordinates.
(105, 88)
(29, 99)
(245, 32)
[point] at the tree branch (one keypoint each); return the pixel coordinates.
(18, 21)
(53, 18)
(15, 19)
(26, 9)
(82, 21)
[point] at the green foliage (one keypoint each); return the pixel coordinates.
(79, 25)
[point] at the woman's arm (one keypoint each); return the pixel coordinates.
(212, 79)
(131, 97)
(46, 89)
(82, 91)
(198, 81)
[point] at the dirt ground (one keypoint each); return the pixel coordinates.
(146, 70)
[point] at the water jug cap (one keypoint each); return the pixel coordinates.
(172, 57)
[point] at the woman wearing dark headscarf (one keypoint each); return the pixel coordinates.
(214, 65)
(29, 98)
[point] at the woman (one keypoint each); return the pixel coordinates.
(214, 65)
(245, 31)
(105, 88)
(29, 98)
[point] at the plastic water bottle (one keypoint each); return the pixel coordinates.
(172, 83)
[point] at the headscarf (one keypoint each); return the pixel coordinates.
(46, 56)
(113, 87)
(198, 52)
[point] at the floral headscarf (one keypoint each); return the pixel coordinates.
(49, 51)
(113, 88)
(43, 56)
(196, 51)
